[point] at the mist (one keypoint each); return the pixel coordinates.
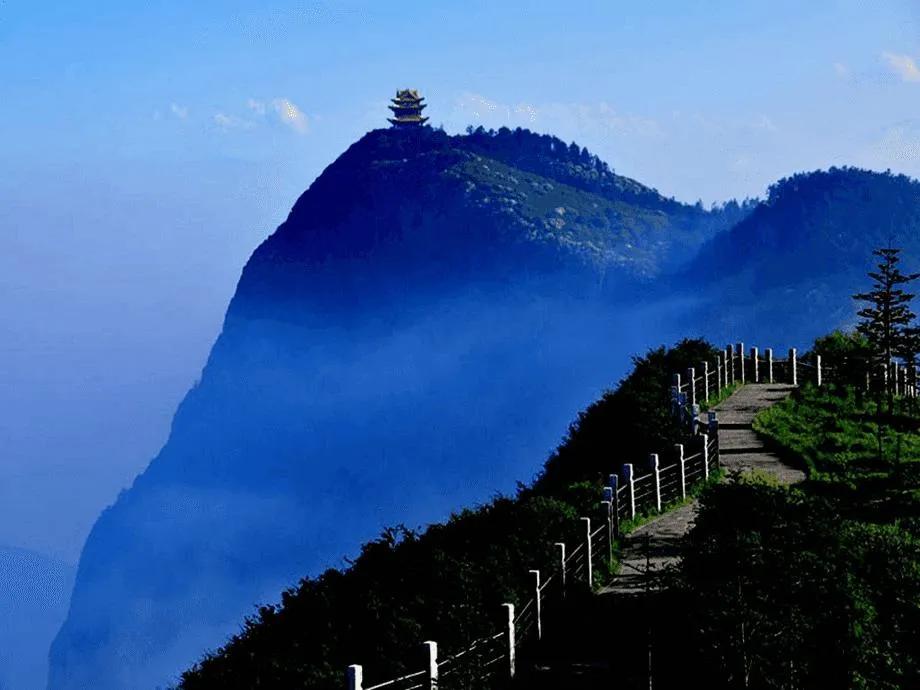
(302, 443)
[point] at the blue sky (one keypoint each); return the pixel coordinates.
(147, 148)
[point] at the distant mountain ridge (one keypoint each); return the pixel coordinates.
(414, 337)
(800, 254)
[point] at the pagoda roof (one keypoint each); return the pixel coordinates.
(412, 107)
(410, 120)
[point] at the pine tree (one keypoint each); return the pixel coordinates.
(887, 316)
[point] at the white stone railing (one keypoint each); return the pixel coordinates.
(635, 491)
(733, 365)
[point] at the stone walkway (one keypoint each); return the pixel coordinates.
(656, 544)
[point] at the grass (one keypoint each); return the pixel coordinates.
(839, 433)
(851, 448)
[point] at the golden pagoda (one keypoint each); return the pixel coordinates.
(407, 109)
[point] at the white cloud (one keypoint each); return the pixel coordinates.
(567, 119)
(180, 111)
(491, 112)
(841, 70)
(764, 123)
(228, 122)
(584, 121)
(289, 114)
(902, 65)
(899, 148)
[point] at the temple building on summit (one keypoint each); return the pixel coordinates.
(407, 109)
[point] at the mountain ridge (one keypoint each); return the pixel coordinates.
(427, 316)
(797, 255)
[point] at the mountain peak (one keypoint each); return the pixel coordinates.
(462, 198)
(421, 276)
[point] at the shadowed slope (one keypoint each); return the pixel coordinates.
(413, 338)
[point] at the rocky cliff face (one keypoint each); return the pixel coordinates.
(413, 338)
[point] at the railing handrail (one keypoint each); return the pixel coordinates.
(580, 560)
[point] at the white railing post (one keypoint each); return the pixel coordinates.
(714, 433)
(691, 384)
(538, 604)
(656, 477)
(705, 457)
(355, 675)
(694, 419)
(730, 363)
(705, 381)
(509, 637)
(818, 369)
(615, 488)
(561, 546)
(719, 375)
(608, 505)
(675, 395)
(629, 479)
(741, 362)
(755, 366)
(769, 354)
(432, 649)
(679, 449)
(590, 562)
(793, 367)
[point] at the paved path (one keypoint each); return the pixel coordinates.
(739, 447)
(657, 543)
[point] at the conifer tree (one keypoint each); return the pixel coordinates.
(887, 316)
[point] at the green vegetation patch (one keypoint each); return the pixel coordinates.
(784, 592)
(855, 451)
